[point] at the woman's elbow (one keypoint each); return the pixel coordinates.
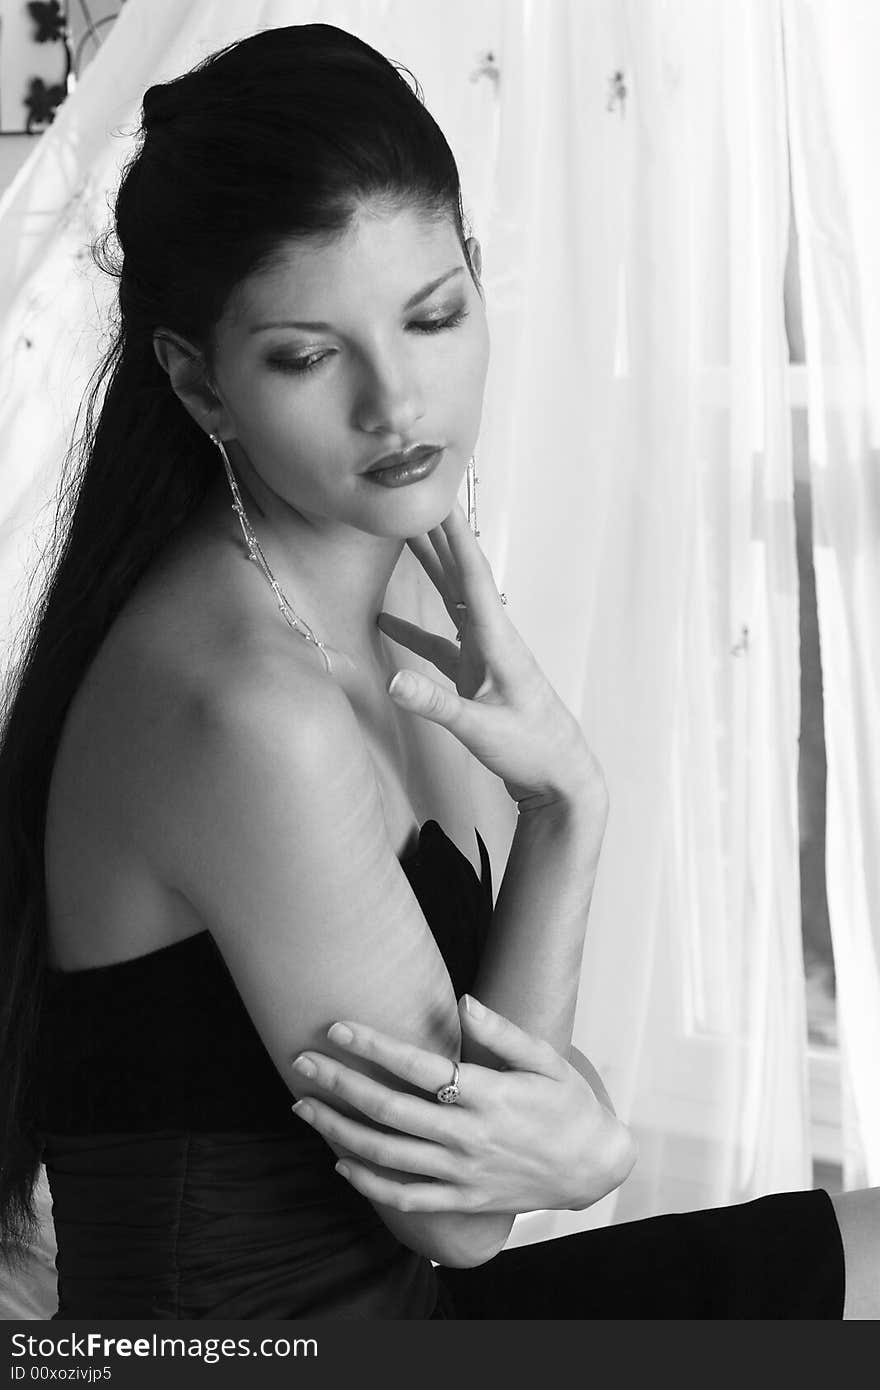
(622, 1156)
(468, 1254)
(603, 1165)
(629, 1154)
(466, 1248)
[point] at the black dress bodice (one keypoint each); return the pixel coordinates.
(183, 1186)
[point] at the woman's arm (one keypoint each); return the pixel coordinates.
(583, 1065)
(505, 711)
(531, 963)
(275, 834)
(532, 1131)
(526, 1138)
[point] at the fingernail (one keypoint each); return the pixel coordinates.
(343, 1170)
(303, 1111)
(305, 1066)
(475, 1009)
(402, 685)
(340, 1033)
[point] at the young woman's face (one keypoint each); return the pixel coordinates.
(346, 352)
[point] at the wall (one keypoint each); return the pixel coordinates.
(14, 149)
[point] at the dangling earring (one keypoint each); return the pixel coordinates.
(472, 481)
(255, 553)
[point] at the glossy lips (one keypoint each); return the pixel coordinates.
(407, 468)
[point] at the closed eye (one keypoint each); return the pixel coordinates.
(298, 366)
(434, 325)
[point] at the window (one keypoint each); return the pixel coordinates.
(823, 1056)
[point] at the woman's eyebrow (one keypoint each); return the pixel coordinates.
(410, 304)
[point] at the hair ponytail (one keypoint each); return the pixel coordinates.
(280, 136)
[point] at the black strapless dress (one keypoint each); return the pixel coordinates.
(184, 1187)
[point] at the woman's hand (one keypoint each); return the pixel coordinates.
(503, 708)
(528, 1138)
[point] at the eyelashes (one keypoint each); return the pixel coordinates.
(436, 325)
(299, 366)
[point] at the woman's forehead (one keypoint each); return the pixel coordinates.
(378, 257)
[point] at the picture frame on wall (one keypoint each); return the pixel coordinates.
(44, 46)
(36, 64)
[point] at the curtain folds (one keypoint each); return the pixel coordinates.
(831, 52)
(675, 547)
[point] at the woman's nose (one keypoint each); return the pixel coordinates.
(390, 400)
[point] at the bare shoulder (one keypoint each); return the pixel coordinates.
(281, 845)
(238, 721)
(187, 642)
(270, 732)
(268, 763)
(268, 699)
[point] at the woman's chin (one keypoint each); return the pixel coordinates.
(414, 508)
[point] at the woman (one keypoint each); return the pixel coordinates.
(216, 865)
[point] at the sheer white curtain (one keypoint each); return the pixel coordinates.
(831, 54)
(623, 164)
(647, 507)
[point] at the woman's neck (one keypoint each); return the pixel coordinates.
(334, 580)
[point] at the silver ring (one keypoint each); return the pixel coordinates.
(449, 1094)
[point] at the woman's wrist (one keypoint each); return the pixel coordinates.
(581, 792)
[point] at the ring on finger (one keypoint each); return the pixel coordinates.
(449, 1094)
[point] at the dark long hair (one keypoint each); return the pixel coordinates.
(281, 135)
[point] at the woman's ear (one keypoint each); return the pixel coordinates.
(188, 375)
